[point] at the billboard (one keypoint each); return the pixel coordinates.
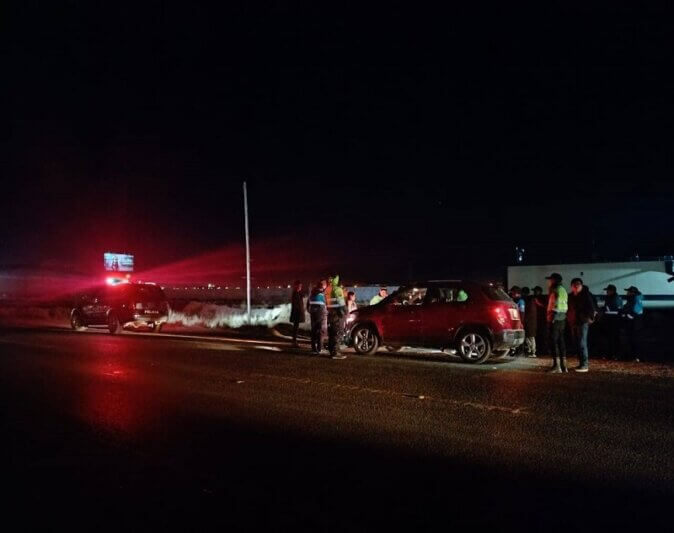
(117, 262)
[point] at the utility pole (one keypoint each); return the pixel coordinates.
(245, 212)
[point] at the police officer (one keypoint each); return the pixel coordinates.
(558, 305)
(334, 298)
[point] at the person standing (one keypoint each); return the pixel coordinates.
(541, 301)
(383, 293)
(611, 319)
(334, 298)
(582, 312)
(297, 309)
(351, 304)
(558, 305)
(319, 317)
(633, 313)
(516, 295)
(530, 322)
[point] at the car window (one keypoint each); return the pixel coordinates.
(148, 293)
(496, 293)
(409, 296)
(446, 295)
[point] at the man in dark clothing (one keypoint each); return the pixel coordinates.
(296, 309)
(582, 312)
(541, 302)
(611, 321)
(633, 313)
(319, 317)
(530, 322)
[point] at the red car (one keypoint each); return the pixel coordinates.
(474, 319)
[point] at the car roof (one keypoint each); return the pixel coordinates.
(443, 283)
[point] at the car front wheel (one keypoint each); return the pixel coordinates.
(365, 340)
(114, 326)
(474, 347)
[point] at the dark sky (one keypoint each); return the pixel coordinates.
(393, 144)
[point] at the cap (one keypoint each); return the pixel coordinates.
(555, 276)
(576, 280)
(632, 288)
(515, 288)
(610, 287)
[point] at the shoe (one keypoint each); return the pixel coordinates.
(532, 356)
(556, 369)
(562, 365)
(339, 356)
(315, 352)
(582, 369)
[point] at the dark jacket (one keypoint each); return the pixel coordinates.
(582, 307)
(297, 307)
(613, 303)
(530, 317)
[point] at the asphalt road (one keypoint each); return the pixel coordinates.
(141, 431)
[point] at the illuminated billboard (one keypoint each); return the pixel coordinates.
(117, 262)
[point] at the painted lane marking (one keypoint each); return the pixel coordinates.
(358, 388)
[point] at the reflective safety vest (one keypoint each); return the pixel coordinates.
(317, 298)
(334, 295)
(559, 300)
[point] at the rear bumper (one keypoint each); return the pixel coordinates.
(508, 338)
(145, 319)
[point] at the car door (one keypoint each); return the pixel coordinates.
(402, 319)
(87, 307)
(99, 308)
(443, 312)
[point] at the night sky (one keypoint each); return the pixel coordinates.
(393, 144)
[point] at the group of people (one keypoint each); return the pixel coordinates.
(548, 318)
(328, 307)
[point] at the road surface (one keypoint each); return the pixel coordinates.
(164, 431)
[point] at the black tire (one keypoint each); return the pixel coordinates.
(365, 340)
(114, 327)
(473, 346)
(76, 322)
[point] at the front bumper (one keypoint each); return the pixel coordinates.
(508, 338)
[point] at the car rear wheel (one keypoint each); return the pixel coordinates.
(474, 347)
(365, 340)
(114, 326)
(76, 322)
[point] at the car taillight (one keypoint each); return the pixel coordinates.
(501, 315)
(506, 315)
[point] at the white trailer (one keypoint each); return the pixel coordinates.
(652, 278)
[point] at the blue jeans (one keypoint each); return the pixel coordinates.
(579, 332)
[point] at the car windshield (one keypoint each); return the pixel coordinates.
(496, 293)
